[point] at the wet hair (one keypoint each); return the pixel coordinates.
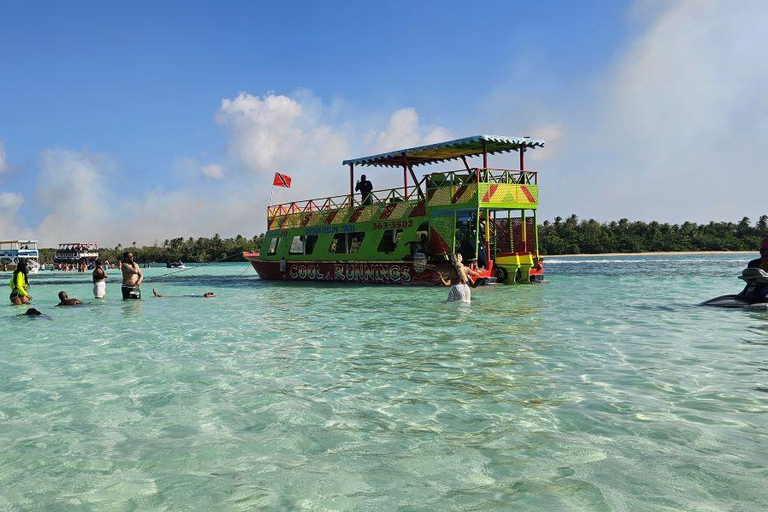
(32, 312)
(21, 268)
(97, 263)
(63, 295)
(459, 267)
(125, 255)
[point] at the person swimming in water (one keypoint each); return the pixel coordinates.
(66, 301)
(206, 295)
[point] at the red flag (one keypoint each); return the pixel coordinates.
(281, 180)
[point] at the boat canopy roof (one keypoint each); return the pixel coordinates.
(450, 150)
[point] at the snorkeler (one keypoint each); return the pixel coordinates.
(34, 314)
(66, 301)
(207, 295)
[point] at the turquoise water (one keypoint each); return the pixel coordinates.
(605, 388)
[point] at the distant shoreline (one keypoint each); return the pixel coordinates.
(671, 253)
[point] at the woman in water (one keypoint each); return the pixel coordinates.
(99, 281)
(20, 284)
(460, 286)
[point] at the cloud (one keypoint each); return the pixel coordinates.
(213, 171)
(10, 224)
(308, 139)
(679, 128)
(404, 130)
(72, 189)
(3, 158)
(272, 131)
(81, 198)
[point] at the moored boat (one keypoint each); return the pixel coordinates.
(11, 251)
(77, 253)
(406, 235)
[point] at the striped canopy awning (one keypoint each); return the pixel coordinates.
(450, 150)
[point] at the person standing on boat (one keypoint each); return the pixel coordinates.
(365, 187)
(99, 281)
(460, 285)
(20, 284)
(132, 277)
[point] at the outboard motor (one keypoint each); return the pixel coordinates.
(754, 293)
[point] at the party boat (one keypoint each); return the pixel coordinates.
(77, 252)
(406, 235)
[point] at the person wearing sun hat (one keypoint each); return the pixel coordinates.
(762, 261)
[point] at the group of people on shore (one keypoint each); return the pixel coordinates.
(132, 278)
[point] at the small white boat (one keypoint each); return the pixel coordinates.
(13, 251)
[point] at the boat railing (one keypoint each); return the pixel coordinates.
(409, 192)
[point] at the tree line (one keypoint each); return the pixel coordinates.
(561, 236)
(193, 250)
(574, 236)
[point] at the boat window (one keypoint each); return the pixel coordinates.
(390, 240)
(309, 244)
(355, 242)
(273, 246)
(297, 245)
(338, 244)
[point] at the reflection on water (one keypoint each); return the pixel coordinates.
(603, 389)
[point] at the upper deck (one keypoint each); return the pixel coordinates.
(23, 248)
(468, 188)
(76, 251)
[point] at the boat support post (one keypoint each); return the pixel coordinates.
(407, 164)
(351, 185)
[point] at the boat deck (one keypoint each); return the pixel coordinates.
(473, 187)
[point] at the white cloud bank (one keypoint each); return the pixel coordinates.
(681, 122)
(4, 167)
(296, 135)
(80, 198)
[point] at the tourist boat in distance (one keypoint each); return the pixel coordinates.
(78, 252)
(488, 215)
(11, 251)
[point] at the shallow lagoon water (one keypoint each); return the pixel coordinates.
(605, 388)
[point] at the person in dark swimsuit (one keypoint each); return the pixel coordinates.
(132, 277)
